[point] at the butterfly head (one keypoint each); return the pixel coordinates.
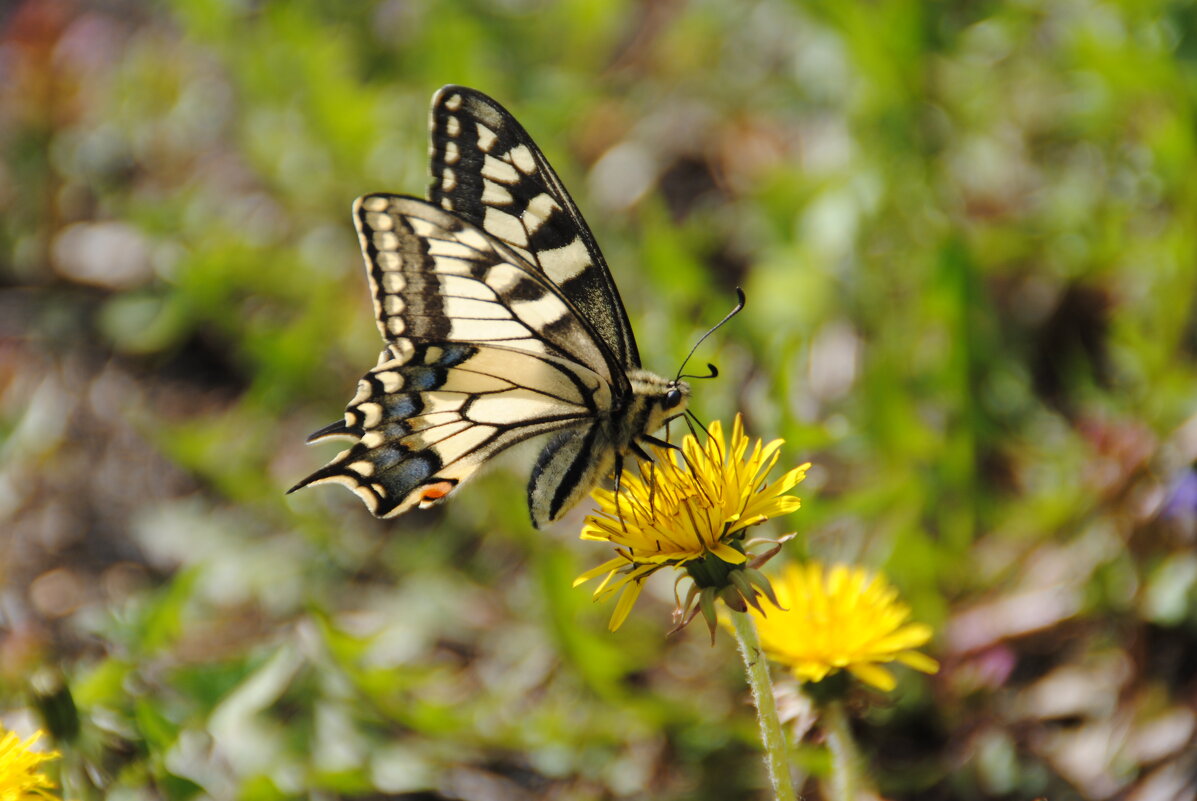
(660, 399)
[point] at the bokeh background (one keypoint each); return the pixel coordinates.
(967, 233)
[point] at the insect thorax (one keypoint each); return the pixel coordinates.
(654, 401)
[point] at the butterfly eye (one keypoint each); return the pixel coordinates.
(672, 398)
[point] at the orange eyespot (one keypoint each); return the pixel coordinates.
(435, 492)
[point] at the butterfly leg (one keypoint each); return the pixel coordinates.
(618, 477)
(652, 487)
(651, 440)
(645, 457)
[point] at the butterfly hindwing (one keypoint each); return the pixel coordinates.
(486, 169)
(430, 414)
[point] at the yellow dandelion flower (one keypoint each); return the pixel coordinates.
(691, 512)
(841, 619)
(20, 778)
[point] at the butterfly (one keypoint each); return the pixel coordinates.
(501, 322)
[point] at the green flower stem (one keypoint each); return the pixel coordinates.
(845, 762)
(772, 737)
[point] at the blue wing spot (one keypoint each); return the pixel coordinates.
(422, 379)
(386, 457)
(394, 430)
(455, 354)
(409, 474)
(401, 406)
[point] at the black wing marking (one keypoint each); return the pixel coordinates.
(487, 170)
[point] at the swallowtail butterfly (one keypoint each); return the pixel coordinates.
(501, 323)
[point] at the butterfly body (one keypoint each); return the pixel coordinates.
(501, 323)
(577, 459)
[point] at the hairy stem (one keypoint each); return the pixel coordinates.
(772, 737)
(844, 759)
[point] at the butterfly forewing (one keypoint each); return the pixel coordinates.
(436, 277)
(486, 169)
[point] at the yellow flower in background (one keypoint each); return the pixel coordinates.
(20, 778)
(841, 619)
(691, 512)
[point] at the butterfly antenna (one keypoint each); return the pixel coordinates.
(712, 372)
(739, 307)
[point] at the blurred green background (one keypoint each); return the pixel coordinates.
(967, 235)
